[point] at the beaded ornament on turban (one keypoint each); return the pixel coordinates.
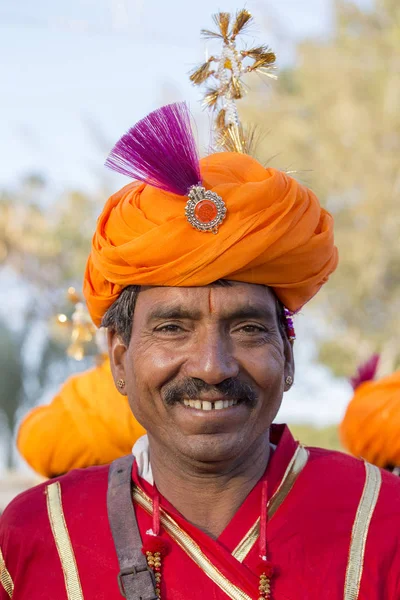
(87, 423)
(371, 426)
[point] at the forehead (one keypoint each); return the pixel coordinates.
(218, 299)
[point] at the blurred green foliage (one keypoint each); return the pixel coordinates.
(324, 437)
(334, 120)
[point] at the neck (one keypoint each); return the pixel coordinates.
(219, 489)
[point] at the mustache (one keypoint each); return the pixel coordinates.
(191, 389)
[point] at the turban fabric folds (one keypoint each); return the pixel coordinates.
(275, 233)
(371, 426)
(88, 423)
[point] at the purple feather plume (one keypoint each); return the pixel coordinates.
(365, 372)
(160, 150)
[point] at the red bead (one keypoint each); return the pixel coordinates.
(157, 569)
(269, 569)
(155, 544)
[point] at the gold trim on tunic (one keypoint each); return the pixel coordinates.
(63, 542)
(365, 510)
(295, 467)
(5, 577)
(192, 549)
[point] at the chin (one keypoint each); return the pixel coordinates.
(214, 448)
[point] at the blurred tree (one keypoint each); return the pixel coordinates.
(337, 112)
(11, 389)
(46, 243)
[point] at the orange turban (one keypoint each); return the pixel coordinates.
(275, 233)
(371, 426)
(88, 423)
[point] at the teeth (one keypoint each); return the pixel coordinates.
(206, 405)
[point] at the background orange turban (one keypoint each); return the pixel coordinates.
(275, 233)
(88, 423)
(371, 426)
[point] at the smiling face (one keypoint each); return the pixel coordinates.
(205, 367)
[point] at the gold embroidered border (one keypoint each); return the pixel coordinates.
(5, 577)
(63, 542)
(296, 465)
(365, 510)
(189, 546)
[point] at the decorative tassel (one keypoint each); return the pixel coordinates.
(366, 371)
(290, 325)
(237, 89)
(225, 81)
(202, 73)
(243, 19)
(263, 61)
(160, 150)
(231, 138)
(154, 563)
(256, 52)
(222, 21)
(208, 34)
(211, 98)
(220, 120)
(265, 567)
(155, 548)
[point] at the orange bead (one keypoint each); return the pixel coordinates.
(205, 211)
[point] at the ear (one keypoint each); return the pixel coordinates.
(117, 351)
(289, 363)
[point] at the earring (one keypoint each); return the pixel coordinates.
(289, 380)
(120, 384)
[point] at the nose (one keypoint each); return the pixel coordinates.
(212, 360)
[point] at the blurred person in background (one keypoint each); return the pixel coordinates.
(196, 269)
(370, 428)
(88, 423)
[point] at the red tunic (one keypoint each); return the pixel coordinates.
(333, 533)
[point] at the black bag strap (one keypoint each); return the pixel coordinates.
(136, 580)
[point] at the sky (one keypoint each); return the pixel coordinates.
(82, 70)
(79, 73)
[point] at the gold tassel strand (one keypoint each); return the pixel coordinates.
(264, 587)
(243, 19)
(202, 73)
(154, 563)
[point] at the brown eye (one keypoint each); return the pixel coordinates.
(169, 328)
(252, 329)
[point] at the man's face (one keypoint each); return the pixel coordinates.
(205, 367)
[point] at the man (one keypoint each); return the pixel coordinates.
(87, 423)
(371, 426)
(191, 270)
(227, 505)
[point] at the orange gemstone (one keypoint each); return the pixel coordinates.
(205, 211)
